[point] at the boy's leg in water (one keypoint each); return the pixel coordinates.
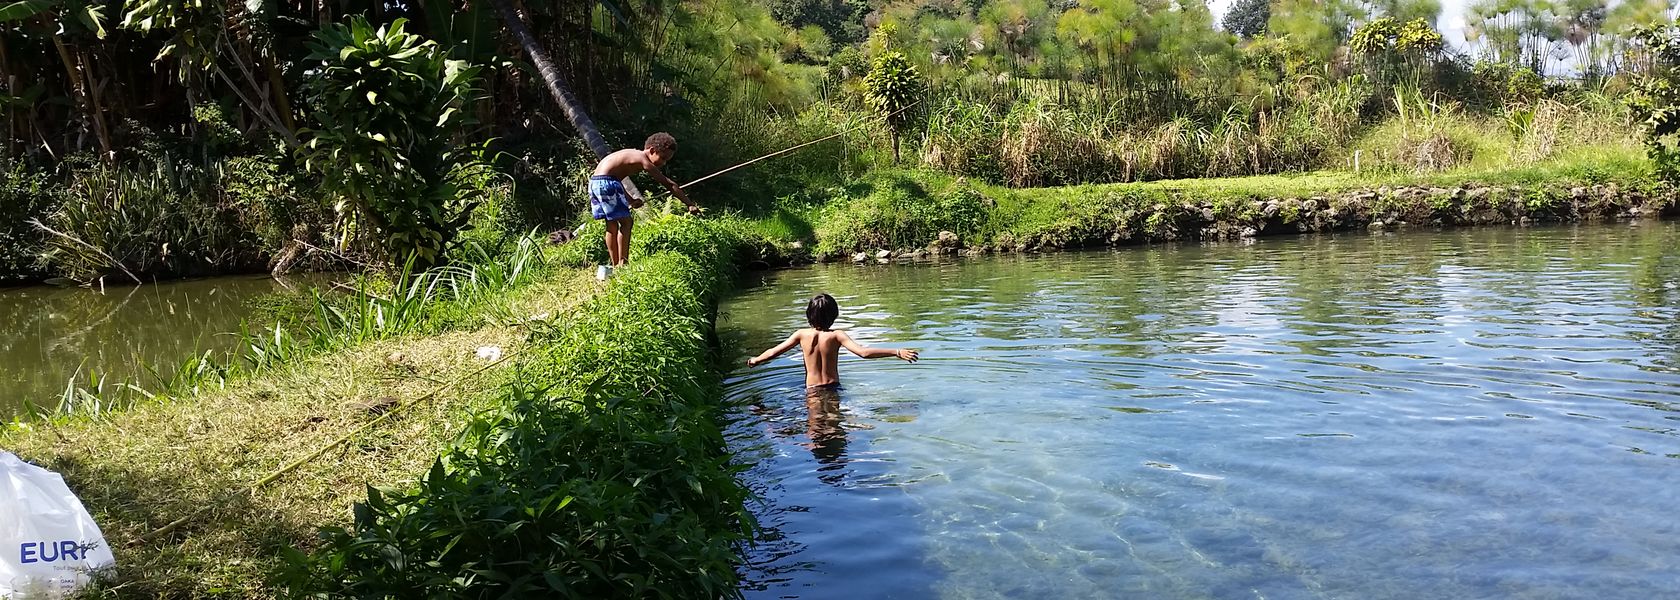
(624, 227)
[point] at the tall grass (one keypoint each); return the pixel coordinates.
(1430, 134)
(1033, 140)
(157, 223)
(471, 291)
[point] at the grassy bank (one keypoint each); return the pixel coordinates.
(144, 467)
(591, 465)
(908, 210)
(598, 472)
(292, 326)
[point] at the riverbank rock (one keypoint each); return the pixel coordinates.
(860, 257)
(947, 242)
(883, 255)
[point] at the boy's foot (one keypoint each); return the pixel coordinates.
(601, 272)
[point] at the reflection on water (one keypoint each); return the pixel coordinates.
(1481, 413)
(52, 334)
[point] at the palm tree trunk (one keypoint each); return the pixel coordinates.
(80, 87)
(556, 87)
(551, 76)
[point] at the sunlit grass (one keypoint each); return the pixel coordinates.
(152, 462)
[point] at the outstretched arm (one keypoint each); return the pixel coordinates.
(793, 340)
(866, 352)
(676, 190)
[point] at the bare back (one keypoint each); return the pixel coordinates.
(623, 163)
(822, 355)
(821, 350)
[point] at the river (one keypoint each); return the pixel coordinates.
(1458, 414)
(55, 335)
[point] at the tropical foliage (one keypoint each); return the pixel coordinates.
(1021, 92)
(1656, 103)
(388, 105)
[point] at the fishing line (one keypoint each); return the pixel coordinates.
(787, 150)
(282, 471)
(575, 233)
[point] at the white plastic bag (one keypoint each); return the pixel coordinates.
(49, 546)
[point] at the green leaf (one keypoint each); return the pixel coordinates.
(23, 9)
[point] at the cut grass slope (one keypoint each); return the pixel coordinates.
(139, 469)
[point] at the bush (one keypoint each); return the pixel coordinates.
(160, 222)
(899, 212)
(1656, 101)
(272, 200)
(1498, 84)
(548, 190)
(386, 107)
(25, 195)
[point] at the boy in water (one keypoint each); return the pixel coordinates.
(821, 346)
(610, 203)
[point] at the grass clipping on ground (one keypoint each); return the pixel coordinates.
(140, 469)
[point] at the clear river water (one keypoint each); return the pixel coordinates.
(1487, 413)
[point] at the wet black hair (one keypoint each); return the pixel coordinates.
(661, 142)
(822, 311)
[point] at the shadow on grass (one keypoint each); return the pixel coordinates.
(228, 550)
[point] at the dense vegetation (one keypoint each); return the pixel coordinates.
(162, 138)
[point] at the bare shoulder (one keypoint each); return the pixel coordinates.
(632, 156)
(622, 163)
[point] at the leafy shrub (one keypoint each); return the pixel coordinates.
(548, 184)
(386, 105)
(1497, 84)
(25, 195)
(894, 87)
(1656, 100)
(899, 212)
(1396, 50)
(273, 200)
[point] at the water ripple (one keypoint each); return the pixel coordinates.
(1488, 413)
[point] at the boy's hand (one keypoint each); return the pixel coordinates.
(636, 202)
(908, 355)
(694, 209)
(754, 361)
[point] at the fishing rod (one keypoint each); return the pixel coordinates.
(579, 231)
(787, 150)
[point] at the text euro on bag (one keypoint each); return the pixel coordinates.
(49, 545)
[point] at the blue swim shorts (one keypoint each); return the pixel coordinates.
(607, 198)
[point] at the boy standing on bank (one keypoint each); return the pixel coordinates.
(609, 202)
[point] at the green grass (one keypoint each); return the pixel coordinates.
(600, 471)
(908, 209)
(140, 468)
